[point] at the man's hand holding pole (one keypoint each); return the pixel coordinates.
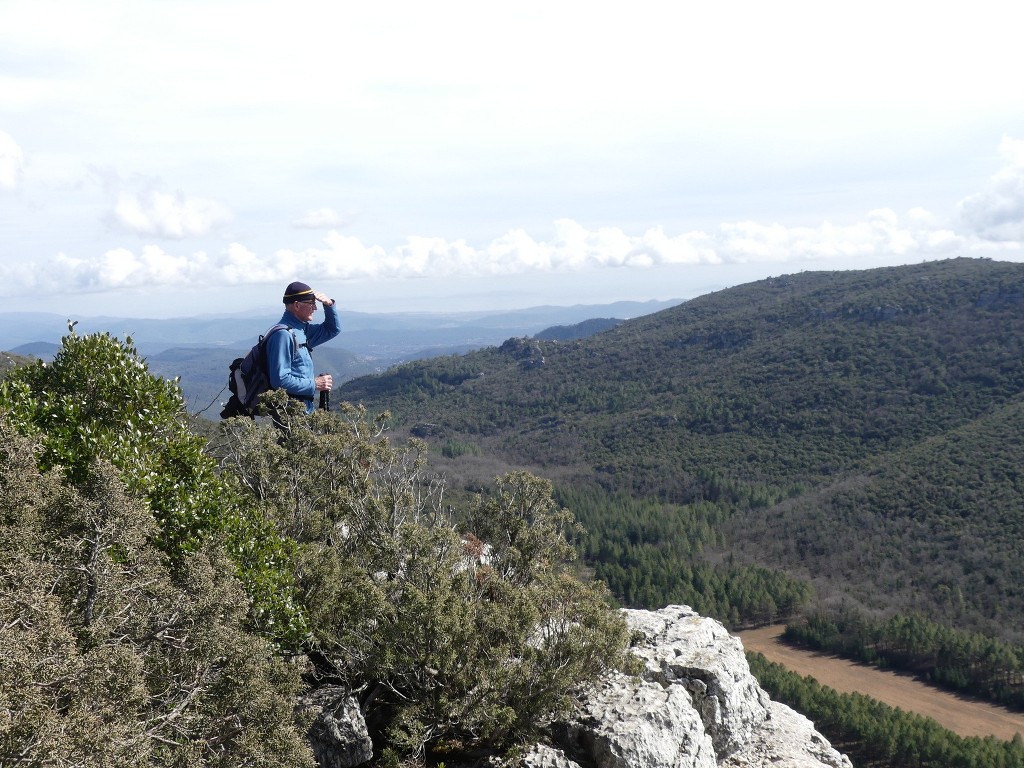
(324, 382)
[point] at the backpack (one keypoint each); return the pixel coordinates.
(248, 378)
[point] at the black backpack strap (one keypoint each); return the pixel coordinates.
(273, 329)
(263, 343)
(295, 342)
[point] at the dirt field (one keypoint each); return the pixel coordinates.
(962, 716)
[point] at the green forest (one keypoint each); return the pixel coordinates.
(857, 433)
(651, 554)
(805, 449)
(874, 734)
(961, 661)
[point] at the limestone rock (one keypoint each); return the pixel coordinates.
(696, 705)
(681, 647)
(631, 722)
(542, 756)
(338, 736)
(786, 739)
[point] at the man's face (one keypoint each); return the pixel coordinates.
(304, 310)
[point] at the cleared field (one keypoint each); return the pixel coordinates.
(966, 717)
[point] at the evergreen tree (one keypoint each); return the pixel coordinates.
(449, 625)
(97, 403)
(110, 657)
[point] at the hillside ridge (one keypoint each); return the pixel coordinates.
(773, 400)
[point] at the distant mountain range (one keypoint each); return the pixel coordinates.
(198, 350)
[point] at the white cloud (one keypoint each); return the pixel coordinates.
(174, 216)
(319, 218)
(12, 162)
(573, 248)
(997, 212)
(995, 217)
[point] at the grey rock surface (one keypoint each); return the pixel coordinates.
(684, 648)
(338, 735)
(696, 705)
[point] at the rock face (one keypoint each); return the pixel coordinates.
(695, 705)
(338, 735)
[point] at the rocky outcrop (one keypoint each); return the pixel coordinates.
(338, 735)
(695, 705)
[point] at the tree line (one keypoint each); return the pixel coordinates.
(874, 734)
(961, 661)
(652, 554)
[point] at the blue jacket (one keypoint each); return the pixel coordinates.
(290, 367)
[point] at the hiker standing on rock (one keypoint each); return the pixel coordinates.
(289, 364)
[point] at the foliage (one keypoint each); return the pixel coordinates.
(652, 553)
(934, 529)
(107, 656)
(127, 636)
(450, 629)
(854, 430)
(9, 361)
(772, 384)
(873, 733)
(97, 401)
(455, 448)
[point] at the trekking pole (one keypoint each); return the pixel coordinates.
(325, 399)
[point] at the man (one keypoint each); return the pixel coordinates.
(289, 364)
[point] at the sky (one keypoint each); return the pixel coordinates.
(192, 157)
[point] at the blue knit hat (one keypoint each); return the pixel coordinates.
(297, 292)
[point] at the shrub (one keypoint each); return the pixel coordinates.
(110, 657)
(97, 401)
(450, 626)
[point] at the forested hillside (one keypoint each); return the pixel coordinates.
(939, 524)
(776, 383)
(854, 430)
